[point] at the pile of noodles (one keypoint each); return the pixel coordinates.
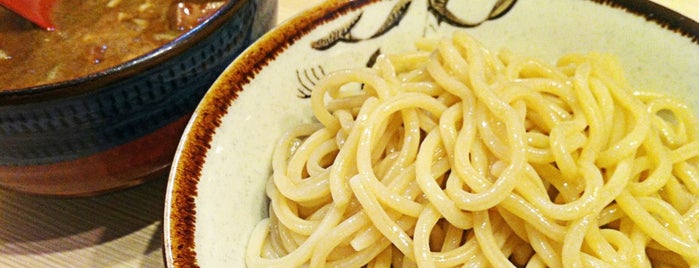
(454, 155)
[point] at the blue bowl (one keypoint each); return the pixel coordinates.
(120, 127)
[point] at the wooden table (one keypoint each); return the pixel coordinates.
(122, 229)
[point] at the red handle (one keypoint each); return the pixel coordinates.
(36, 11)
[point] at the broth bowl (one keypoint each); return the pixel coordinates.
(216, 191)
(119, 127)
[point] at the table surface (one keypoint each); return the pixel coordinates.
(121, 229)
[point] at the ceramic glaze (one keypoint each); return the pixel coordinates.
(117, 128)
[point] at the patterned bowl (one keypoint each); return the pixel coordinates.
(120, 127)
(216, 191)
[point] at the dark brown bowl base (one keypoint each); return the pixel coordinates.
(123, 166)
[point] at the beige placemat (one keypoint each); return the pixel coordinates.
(121, 229)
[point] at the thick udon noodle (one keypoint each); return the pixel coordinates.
(454, 155)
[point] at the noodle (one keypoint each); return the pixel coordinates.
(457, 156)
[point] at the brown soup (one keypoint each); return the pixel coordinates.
(90, 36)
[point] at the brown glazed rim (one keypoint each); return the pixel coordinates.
(137, 65)
(180, 207)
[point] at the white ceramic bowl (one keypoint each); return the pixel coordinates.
(216, 189)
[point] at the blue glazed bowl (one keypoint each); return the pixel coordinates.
(120, 127)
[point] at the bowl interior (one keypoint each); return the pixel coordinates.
(134, 66)
(216, 192)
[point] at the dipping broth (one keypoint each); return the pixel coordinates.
(91, 36)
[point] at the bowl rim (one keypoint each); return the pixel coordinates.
(142, 63)
(178, 235)
(179, 217)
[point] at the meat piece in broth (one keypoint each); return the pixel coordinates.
(185, 15)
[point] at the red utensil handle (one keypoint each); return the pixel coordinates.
(36, 11)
